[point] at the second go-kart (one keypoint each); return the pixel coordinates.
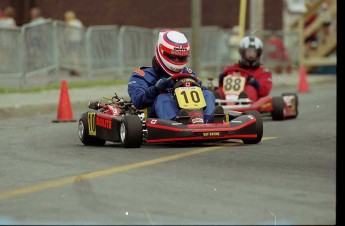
(278, 107)
(120, 121)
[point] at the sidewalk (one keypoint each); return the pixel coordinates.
(24, 104)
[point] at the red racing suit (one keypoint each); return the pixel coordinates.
(261, 74)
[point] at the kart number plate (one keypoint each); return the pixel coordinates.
(91, 119)
(233, 84)
(190, 97)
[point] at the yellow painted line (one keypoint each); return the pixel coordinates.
(89, 176)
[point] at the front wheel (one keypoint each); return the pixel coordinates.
(84, 135)
(259, 127)
(131, 131)
(278, 108)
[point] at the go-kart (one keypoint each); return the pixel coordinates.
(118, 120)
(278, 107)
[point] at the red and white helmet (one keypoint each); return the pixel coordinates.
(172, 51)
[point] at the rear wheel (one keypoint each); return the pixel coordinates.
(131, 131)
(259, 127)
(278, 108)
(83, 132)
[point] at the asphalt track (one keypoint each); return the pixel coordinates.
(49, 177)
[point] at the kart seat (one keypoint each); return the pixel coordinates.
(218, 115)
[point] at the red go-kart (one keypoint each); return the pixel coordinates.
(119, 121)
(278, 107)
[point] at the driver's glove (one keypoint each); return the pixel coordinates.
(161, 84)
(252, 81)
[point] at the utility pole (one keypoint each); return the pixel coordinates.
(196, 26)
(242, 19)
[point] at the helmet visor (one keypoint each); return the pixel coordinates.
(250, 54)
(175, 58)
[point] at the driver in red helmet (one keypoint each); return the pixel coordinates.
(259, 78)
(148, 86)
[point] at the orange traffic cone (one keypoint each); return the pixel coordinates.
(303, 83)
(65, 109)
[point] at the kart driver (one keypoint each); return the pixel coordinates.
(259, 79)
(148, 86)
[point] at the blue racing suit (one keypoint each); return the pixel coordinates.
(144, 94)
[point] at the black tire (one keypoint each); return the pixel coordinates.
(259, 127)
(296, 102)
(131, 131)
(84, 136)
(278, 108)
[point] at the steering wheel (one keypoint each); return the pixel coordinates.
(183, 75)
(180, 83)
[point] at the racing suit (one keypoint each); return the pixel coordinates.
(262, 86)
(144, 94)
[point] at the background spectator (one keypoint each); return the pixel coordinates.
(74, 38)
(36, 16)
(7, 20)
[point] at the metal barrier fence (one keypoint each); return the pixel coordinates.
(36, 50)
(39, 52)
(136, 47)
(10, 53)
(102, 50)
(69, 46)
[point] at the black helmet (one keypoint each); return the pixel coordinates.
(250, 49)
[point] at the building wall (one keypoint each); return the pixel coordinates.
(148, 13)
(273, 14)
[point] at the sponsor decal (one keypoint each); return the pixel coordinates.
(132, 82)
(265, 105)
(153, 121)
(114, 110)
(197, 120)
(91, 123)
(288, 100)
(105, 123)
(180, 51)
(209, 134)
(185, 80)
